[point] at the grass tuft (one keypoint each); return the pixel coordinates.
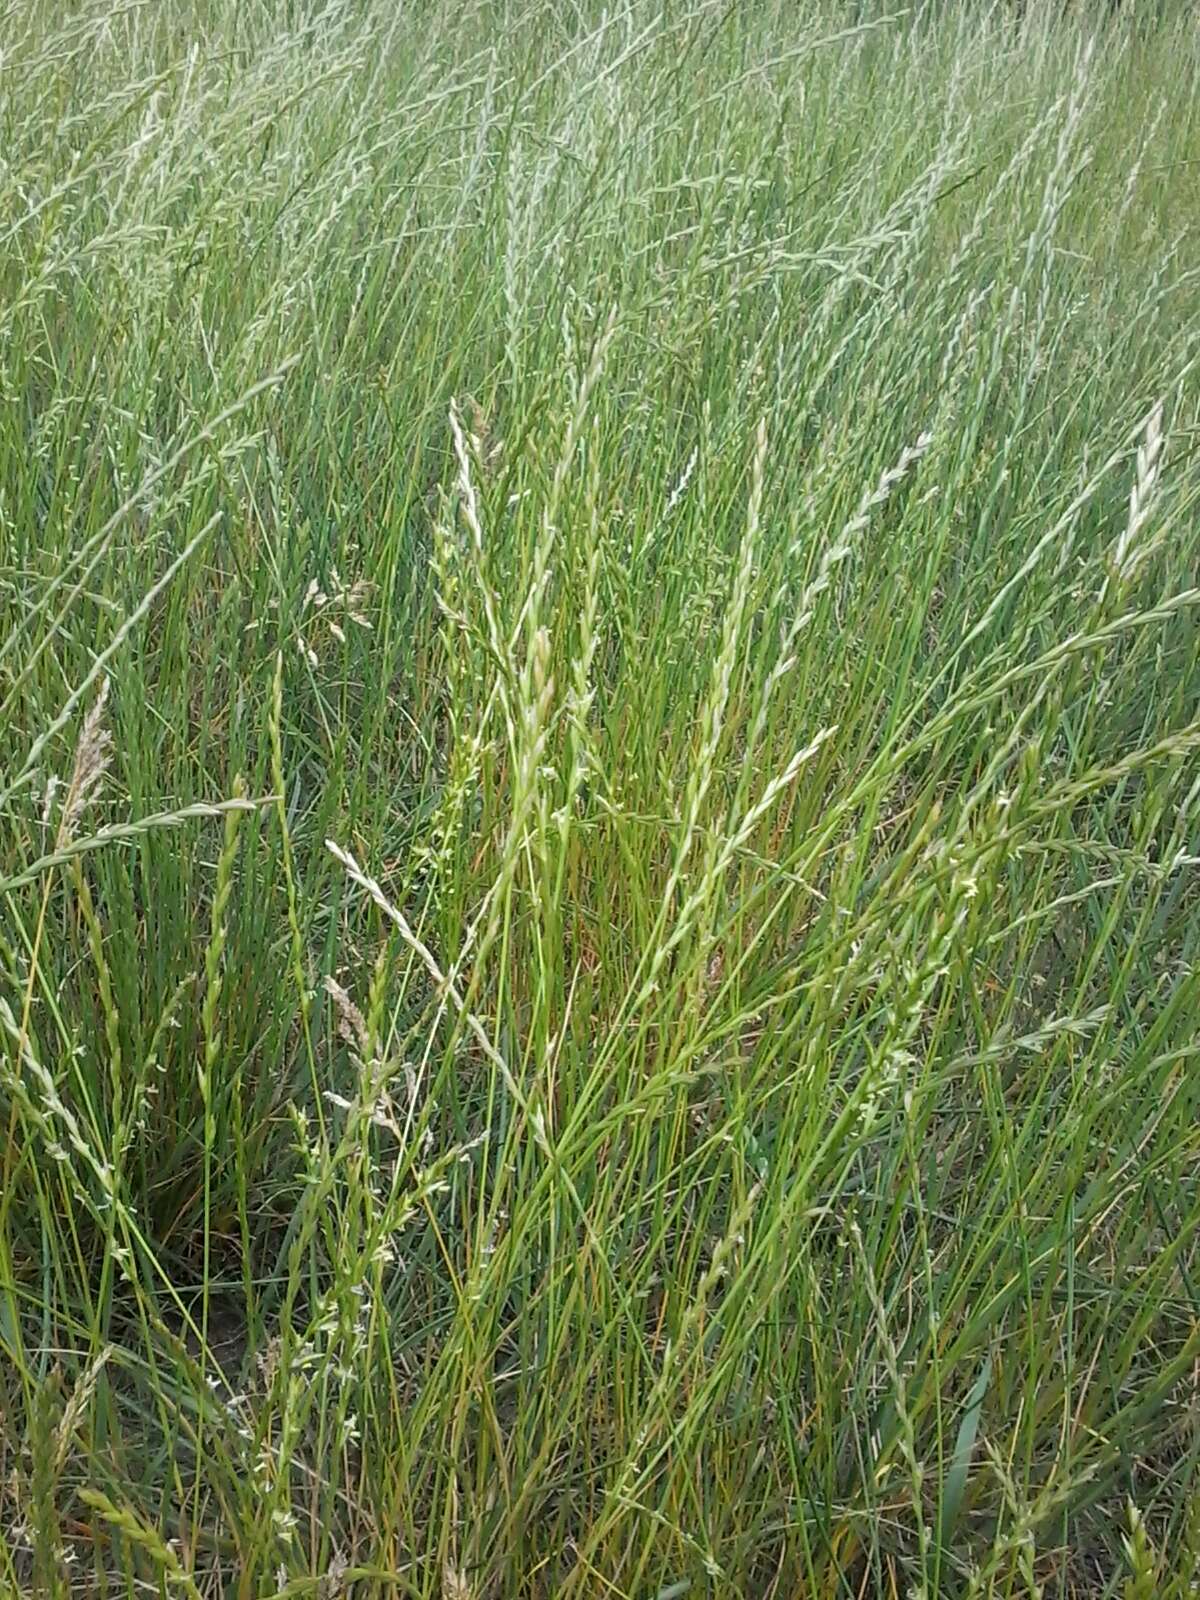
(599, 806)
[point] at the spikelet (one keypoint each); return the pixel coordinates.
(92, 755)
(1130, 552)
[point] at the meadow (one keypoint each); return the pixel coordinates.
(599, 799)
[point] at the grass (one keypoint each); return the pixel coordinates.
(599, 802)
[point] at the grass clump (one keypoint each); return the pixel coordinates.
(598, 800)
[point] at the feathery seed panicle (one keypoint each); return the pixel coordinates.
(93, 752)
(352, 1025)
(1130, 552)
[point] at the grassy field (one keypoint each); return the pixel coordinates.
(599, 800)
